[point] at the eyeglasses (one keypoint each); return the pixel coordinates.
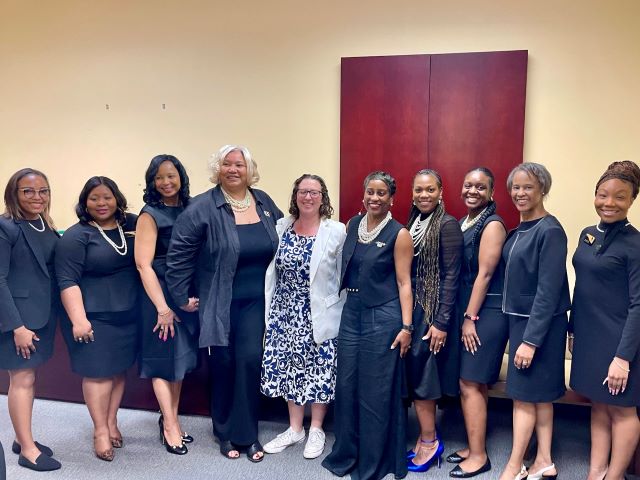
(31, 192)
(313, 193)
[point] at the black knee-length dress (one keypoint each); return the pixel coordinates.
(605, 315)
(173, 359)
(493, 327)
(110, 284)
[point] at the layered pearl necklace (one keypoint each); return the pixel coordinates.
(42, 227)
(366, 236)
(120, 250)
(418, 230)
(238, 206)
(467, 224)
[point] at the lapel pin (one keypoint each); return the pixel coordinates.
(380, 244)
(267, 214)
(589, 239)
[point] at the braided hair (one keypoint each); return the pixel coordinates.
(625, 170)
(428, 266)
(489, 210)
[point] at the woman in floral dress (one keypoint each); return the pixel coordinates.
(302, 321)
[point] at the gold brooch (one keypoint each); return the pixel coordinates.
(589, 239)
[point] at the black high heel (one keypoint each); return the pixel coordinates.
(175, 449)
(186, 438)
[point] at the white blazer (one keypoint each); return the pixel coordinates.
(324, 278)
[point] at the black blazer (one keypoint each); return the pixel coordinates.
(535, 280)
(25, 284)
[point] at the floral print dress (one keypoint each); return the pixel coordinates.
(294, 367)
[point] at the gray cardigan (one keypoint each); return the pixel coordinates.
(204, 248)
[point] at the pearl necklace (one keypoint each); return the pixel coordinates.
(418, 230)
(366, 236)
(238, 206)
(41, 229)
(467, 224)
(120, 250)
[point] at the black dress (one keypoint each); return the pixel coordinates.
(172, 359)
(235, 369)
(429, 376)
(46, 243)
(606, 311)
(493, 327)
(109, 283)
(543, 380)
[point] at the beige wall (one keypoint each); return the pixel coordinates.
(266, 74)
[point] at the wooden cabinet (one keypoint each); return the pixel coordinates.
(449, 112)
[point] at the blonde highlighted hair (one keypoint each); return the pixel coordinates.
(252, 167)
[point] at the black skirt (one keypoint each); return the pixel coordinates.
(543, 381)
(430, 376)
(115, 347)
(173, 359)
(44, 348)
(493, 331)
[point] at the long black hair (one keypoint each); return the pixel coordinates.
(151, 195)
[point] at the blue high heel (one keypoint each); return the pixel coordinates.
(437, 457)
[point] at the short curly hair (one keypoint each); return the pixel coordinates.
(252, 167)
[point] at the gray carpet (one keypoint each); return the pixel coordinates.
(67, 429)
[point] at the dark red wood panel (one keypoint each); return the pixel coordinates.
(383, 125)
(476, 118)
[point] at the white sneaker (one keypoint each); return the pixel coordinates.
(285, 439)
(315, 443)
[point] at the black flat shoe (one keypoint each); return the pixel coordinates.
(254, 448)
(16, 448)
(43, 463)
(226, 448)
(455, 458)
(458, 472)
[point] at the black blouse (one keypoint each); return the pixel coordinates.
(450, 259)
(109, 281)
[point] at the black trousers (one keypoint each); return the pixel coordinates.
(234, 372)
(370, 418)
